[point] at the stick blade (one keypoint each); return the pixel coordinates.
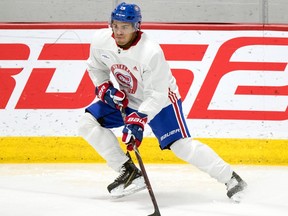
(156, 213)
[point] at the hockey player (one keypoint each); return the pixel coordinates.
(149, 93)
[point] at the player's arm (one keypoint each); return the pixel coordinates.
(155, 80)
(98, 71)
(156, 84)
(100, 75)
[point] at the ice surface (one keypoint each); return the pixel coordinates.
(80, 190)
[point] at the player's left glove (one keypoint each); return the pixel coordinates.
(134, 128)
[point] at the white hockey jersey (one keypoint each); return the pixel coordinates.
(141, 71)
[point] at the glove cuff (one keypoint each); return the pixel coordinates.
(136, 118)
(102, 89)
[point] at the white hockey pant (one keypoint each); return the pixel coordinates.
(203, 157)
(103, 141)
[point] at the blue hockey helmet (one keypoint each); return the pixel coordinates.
(125, 12)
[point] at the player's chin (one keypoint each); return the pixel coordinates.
(120, 41)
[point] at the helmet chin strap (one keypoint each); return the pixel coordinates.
(126, 46)
(137, 26)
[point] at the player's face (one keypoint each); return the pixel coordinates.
(124, 32)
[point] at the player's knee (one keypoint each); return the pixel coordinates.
(182, 148)
(187, 148)
(86, 124)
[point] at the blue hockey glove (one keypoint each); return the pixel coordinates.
(111, 96)
(134, 128)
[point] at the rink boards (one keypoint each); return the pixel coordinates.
(76, 150)
(232, 79)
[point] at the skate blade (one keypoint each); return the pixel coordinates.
(136, 185)
(238, 197)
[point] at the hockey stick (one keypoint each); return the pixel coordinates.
(143, 170)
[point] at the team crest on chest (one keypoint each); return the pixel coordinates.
(124, 77)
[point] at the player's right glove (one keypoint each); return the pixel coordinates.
(111, 96)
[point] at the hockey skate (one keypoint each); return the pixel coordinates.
(235, 187)
(128, 182)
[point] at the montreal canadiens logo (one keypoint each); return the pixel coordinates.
(124, 77)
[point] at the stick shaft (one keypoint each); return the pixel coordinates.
(147, 182)
(143, 170)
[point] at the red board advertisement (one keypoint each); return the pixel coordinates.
(233, 79)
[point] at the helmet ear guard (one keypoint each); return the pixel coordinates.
(125, 12)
